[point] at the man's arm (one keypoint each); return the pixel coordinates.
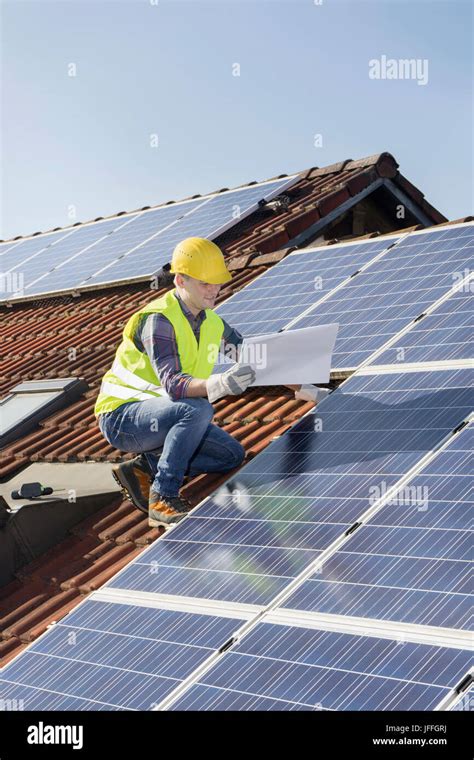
(230, 337)
(196, 387)
(233, 337)
(156, 336)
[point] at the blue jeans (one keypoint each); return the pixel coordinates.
(191, 443)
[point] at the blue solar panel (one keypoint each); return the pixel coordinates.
(113, 656)
(16, 258)
(130, 234)
(128, 246)
(37, 268)
(245, 544)
(250, 539)
(444, 335)
(9, 246)
(465, 703)
(393, 291)
(287, 289)
(211, 219)
(410, 562)
(280, 667)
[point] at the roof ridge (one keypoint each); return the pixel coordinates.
(304, 174)
(117, 214)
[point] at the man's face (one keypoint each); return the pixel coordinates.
(201, 294)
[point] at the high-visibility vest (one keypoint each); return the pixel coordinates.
(132, 377)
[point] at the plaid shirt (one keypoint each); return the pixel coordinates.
(155, 335)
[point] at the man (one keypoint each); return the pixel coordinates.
(160, 390)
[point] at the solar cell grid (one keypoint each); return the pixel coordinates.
(211, 217)
(445, 334)
(279, 667)
(130, 234)
(248, 541)
(37, 267)
(128, 246)
(411, 562)
(113, 656)
(284, 291)
(388, 295)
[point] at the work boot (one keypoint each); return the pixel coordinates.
(135, 481)
(166, 510)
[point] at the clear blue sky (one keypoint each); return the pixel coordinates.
(83, 142)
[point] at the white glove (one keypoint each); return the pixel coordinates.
(311, 393)
(231, 382)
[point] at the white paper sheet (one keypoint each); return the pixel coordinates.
(288, 358)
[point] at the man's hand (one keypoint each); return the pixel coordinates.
(231, 382)
(311, 393)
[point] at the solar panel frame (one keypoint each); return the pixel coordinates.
(276, 666)
(8, 246)
(318, 285)
(443, 334)
(416, 573)
(83, 661)
(463, 702)
(359, 323)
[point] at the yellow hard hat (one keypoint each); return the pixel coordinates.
(201, 259)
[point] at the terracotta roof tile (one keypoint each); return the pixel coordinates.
(460, 221)
(19, 599)
(331, 169)
(433, 213)
(121, 557)
(9, 649)
(410, 189)
(270, 258)
(39, 617)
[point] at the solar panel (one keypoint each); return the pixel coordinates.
(286, 290)
(445, 334)
(211, 219)
(129, 233)
(382, 300)
(132, 245)
(465, 702)
(35, 267)
(5, 247)
(16, 256)
(283, 667)
(410, 563)
(248, 541)
(113, 656)
(243, 546)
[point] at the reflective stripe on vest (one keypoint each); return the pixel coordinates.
(133, 380)
(123, 391)
(132, 376)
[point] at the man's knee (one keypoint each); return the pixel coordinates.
(239, 453)
(201, 408)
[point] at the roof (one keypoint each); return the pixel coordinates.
(77, 335)
(326, 186)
